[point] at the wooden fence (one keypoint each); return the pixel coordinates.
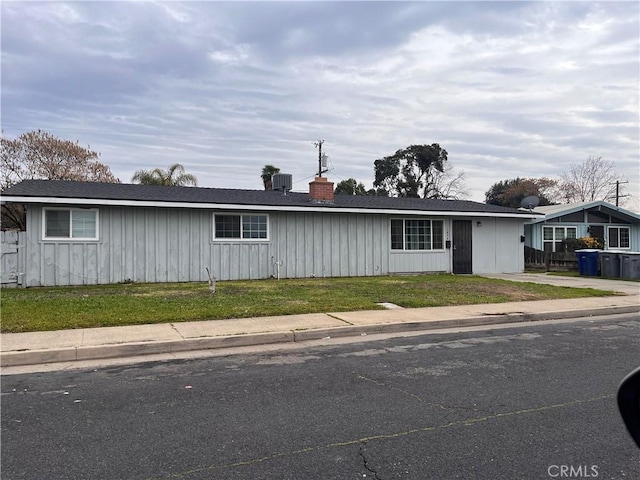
(560, 261)
(12, 260)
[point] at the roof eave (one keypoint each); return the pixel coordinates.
(261, 207)
(599, 204)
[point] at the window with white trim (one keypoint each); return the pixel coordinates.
(243, 227)
(552, 237)
(618, 237)
(417, 234)
(70, 224)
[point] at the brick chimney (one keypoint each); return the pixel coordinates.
(321, 190)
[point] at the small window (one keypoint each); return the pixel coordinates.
(70, 224)
(552, 237)
(417, 234)
(397, 228)
(619, 237)
(254, 226)
(227, 226)
(246, 227)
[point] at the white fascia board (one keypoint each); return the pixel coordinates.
(261, 208)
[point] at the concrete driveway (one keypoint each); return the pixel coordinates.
(628, 287)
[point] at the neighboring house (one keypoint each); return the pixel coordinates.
(618, 228)
(97, 233)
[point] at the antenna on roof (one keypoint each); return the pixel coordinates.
(322, 159)
(530, 202)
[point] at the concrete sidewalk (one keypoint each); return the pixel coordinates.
(111, 342)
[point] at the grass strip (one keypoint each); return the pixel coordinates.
(57, 308)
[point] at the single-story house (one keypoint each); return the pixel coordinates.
(98, 233)
(617, 228)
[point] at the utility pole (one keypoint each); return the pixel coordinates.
(318, 145)
(618, 182)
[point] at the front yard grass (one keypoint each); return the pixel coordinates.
(57, 308)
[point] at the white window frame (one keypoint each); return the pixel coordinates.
(404, 236)
(70, 237)
(555, 240)
(241, 215)
(622, 227)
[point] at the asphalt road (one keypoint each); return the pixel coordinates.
(534, 402)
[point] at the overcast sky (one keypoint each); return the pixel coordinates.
(507, 88)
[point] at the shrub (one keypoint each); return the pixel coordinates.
(573, 244)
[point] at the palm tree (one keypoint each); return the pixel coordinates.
(267, 172)
(173, 176)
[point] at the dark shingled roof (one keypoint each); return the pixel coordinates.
(154, 193)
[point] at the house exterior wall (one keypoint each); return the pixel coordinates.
(143, 244)
(533, 232)
(497, 247)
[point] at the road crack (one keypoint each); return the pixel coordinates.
(361, 452)
(383, 436)
(449, 410)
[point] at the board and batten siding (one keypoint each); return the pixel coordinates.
(497, 245)
(143, 244)
(146, 244)
(329, 244)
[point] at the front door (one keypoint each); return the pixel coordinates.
(597, 231)
(462, 246)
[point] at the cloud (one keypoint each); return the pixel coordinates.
(508, 88)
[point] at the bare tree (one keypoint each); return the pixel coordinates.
(40, 155)
(448, 184)
(593, 179)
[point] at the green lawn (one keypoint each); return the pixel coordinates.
(38, 309)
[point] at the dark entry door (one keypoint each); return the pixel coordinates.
(462, 246)
(597, 231)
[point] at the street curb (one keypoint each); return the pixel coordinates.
(70, 354)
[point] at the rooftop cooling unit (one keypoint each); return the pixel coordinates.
(282, 181)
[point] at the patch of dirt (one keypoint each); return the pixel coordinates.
(514, 292)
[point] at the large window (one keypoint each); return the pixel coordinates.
(618, 237)
(245, 227)
(552, 237)
(412, 234)
(70, 224)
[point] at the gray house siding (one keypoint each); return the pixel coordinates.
(496, 246)
(153, 244)
(175, 245)
(328, 244)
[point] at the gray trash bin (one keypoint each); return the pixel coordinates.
(610, 264)
(630, 265)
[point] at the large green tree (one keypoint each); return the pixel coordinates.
(350, 186)
(411, 172)
(173, 176)
(41, 155)
(509, 193)
(268, 171)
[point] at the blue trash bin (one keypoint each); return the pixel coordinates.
(588, 261)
